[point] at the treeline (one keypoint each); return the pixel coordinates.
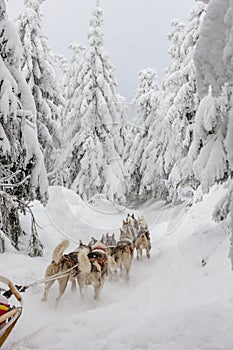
(75, 128)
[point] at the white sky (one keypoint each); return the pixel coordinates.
(135, 32)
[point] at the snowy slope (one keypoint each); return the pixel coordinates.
(172, 302)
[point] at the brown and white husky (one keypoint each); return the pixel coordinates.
(98, 259)
(143, 242)
(65, 266)
(121, 257)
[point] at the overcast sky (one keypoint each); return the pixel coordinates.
(135, 32)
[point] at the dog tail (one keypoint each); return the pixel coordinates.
(59, 250)
(84, 262)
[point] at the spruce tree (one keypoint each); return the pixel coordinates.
(154, 163)
(138, 137)
(182, 182)
(92, 162)
(213, 60)
(167, 159)
(39, 70)
(22, 172)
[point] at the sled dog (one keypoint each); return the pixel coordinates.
(76, 262)
(142, 225)
(143, 242)
(121, 257)
(129, 227)
(98, 259)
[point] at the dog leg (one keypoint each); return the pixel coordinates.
(148, 253)
(97, 288)
(73, 284)
(62, 287)
(51, 270)
(48, 285)
(138, 253)
(127, 269)
(127, 273)
(81, 286)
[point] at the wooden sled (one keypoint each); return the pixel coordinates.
(10, 317)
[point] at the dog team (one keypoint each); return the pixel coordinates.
(90, 264)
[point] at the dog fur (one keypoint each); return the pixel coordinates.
(121, 257)
(142, 225)
(127, 231)
(99, 270)
(143, 242)
(60, 264)
(129, 227)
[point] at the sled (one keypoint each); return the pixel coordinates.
(9, 315)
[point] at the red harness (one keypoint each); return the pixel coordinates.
(70, 262)
(101, 260)
(100, 248)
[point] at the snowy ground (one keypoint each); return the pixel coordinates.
(172, 302)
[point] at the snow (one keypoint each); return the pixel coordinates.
(171, 302)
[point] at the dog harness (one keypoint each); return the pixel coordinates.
(100, 248)
(70, 260)
(126, 242)
(99, 257)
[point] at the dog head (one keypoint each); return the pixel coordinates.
(98, 257)
(144, 235)
(83, 246)
(110, 240)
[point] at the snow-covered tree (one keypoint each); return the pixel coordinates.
(181, 113)
(70, 121)
(73, 70)
(167, 171)
(213, 60)
(62, 67)
(92, 162)
(156, 169)
(39, 70)
(208, 151)
(214, 52)
(22, 172)
(145, 102)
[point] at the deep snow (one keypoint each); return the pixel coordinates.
(171, 302)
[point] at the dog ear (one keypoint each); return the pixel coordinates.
(124, 223)
(133, 216)
(128, 215)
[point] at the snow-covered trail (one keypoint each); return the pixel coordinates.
(171, 302)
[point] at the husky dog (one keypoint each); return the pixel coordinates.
(128, 230)
(98, 259)
(143, 242)
(142, 225)
(121, 256)
(61, 263)
(130, 227)
(92, 241)
(110, 240)
(125, 232)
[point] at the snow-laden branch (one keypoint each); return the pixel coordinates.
(10, 185)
